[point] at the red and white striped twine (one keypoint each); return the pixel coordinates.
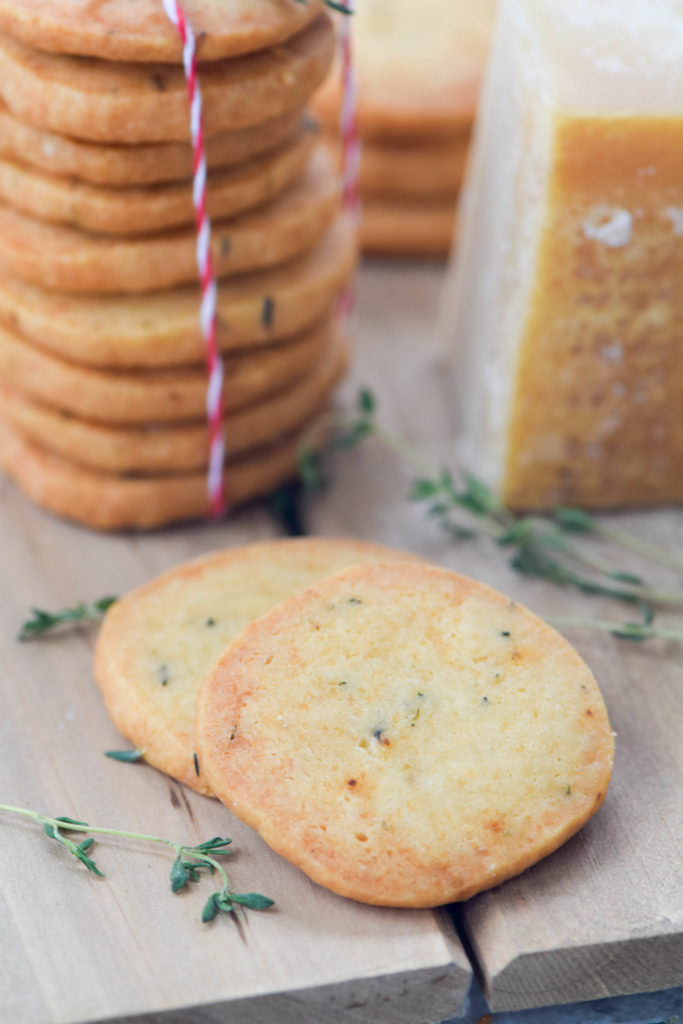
(207, 316)
(348, 125)
(207, 313)
(350, 138)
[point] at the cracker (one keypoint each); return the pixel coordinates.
(159, 641)
(100, 164)
(170, 448)
(407, 228)
(420, 67)
(144, 396)
(101, 101)
(161, 329)
(138, 211)
(103, 501)
(66, 258)
(413, 170)
(405, 774)
(121, 30)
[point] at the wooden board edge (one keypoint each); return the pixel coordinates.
(404, 997)
(594, 971)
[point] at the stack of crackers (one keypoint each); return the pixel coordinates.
(420, 67)
(102, 380)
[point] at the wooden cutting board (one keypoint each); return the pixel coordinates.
(602, 916)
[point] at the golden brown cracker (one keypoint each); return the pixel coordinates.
(176, 448)
(413, 170)
(105, 101)
(420, 68)
(152, 164)
(161, 329)
(104, 501)
(65, 258)
(118, 30)
(145, 210)
(159, 641)
(405, 735)
(143, 396)
(407, 228)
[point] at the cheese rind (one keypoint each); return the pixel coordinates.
(567, 299)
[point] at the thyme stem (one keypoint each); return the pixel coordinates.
(186, 866)
(631, 542)
(406, 449)
(562, 542)
(42, 622)
(627, 631)
(80, 827)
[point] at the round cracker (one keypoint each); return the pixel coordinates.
(413, 170)
(161, 329)
(71, 260)
(118, 30)
(180, 448)
(407, 228)
(139, 211)
(155, 164)
(405, 774)
(158, 642)
(110, 102)
(145, 396)
(420, 68)
(106, 502)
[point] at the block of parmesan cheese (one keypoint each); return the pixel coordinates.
(564, 308)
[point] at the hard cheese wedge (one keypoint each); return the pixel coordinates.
(566, 305)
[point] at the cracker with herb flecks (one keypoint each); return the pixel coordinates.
(156, 396)
(178, 447)
(141, 31)
(114, 101)
(159, 641)
(108, 501)
(404, 735)
(125, 166)
(161, 329)
(143, 210)
(65, 258)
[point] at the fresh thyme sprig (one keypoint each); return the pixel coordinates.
(339, 431)
(535, 541)
(43, 622)
(189, 860)
(540, 546)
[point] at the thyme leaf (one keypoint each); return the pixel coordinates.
(127, 756)
(575, 520)
(189, 861)
(43, 622)
(53, 829)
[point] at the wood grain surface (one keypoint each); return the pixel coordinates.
(601, 916)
